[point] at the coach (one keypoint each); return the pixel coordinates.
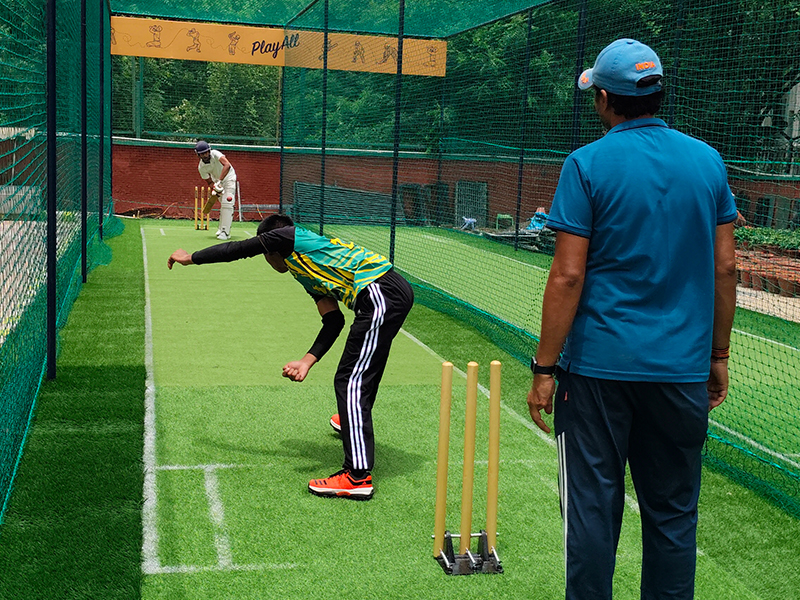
(643, 292)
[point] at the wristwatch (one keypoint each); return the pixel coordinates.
(542, 370)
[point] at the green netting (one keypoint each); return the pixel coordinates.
(424, 18)
(23, 196)
(453, 191)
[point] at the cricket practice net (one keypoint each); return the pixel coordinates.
(434, 132)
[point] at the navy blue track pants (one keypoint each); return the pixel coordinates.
(658, 429)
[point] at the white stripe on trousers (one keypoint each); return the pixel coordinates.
(561, 446)
(357, 443)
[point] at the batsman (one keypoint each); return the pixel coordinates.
(218, 173)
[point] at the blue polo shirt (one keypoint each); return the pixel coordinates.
(649, 199)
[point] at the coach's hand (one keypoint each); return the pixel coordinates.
(541, 398)
(717, 384)
(180, 256)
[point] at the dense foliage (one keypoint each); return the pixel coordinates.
(784, 239)
(731, 73)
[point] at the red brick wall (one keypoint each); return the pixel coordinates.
(161, 181)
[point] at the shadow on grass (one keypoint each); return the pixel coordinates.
(311, 458)
(73, 526)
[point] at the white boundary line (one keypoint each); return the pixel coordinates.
(508, 258)
(150, 561)
(763, 339)
(755, 444)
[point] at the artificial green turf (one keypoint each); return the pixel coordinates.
(270, 438)
(73, 528)
(73, 524)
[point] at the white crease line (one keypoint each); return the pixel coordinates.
(162, 231)
(217, 513)
(166, 570)
(204, 467)
(150, 561)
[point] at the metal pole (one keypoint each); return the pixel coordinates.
(576, 95)
(677, 59)
(137, 109)
(324, 124)
(51, 190)
(440, 510)
(398, 89)
(102, 119)
(437, 200)
(100, 100)
(84, 186)
(281, 124)
(525, 88)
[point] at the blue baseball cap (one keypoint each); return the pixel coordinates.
(624, 67)
(202, 147)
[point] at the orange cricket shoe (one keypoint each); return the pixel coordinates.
(342, 485)
(336, 423)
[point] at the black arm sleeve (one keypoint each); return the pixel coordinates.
(229, 251)
(332, 325)
(278, 240)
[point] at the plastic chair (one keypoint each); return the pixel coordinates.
(505, 218)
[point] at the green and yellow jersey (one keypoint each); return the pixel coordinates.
(323, 267)
(333, 267)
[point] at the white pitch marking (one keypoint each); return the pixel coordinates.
(763, 339)
(217, 513)
(204, 467)
(150, 560)
(513, 260)
(192, 569)
(162, 231)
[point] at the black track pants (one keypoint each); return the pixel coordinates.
(381, 308)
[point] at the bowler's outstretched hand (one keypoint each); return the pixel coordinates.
(180, 256)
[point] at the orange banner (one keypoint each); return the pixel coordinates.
(158, 38)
